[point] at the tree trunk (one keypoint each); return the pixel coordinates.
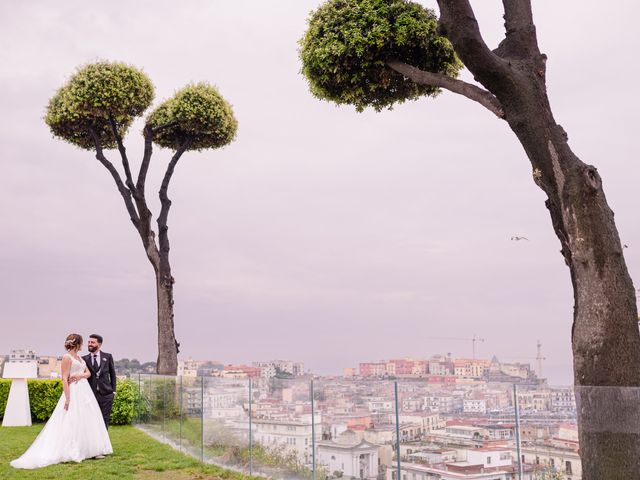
(167, 344)
(605, 336)
(167, 363)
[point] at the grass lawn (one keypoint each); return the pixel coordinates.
(136, 456)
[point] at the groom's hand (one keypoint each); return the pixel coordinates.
(74, 378)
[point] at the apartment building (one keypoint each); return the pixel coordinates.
(476, 464)
(290, 435)
(49, 367)
(349, 459)
(474, 405)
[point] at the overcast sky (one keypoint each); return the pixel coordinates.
(320, 234)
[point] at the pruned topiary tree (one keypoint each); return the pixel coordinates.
(94, 111)
(376, 53)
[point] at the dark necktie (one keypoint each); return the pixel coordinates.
(95, 362)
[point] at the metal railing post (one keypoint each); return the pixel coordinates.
(202, 420)
(180, 415)
(139, 402)
(250, 431)
(518, 446)
(313, 434)
(164, 407)
(395, 390)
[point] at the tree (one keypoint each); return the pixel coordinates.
(94, 110)
(376, 53)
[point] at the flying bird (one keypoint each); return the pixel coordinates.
(517, 239)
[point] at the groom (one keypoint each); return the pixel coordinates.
(103, 375)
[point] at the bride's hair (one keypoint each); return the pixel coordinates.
(73, 341)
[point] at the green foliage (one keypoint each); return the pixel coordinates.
(97, 93)
(549, 474)
(197, 113)
(348, 43)
(43, 398)
(5, 386)
(124, 404)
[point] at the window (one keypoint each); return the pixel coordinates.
(567, 465)
(488, 460)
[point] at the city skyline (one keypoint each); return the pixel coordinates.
(321, 234)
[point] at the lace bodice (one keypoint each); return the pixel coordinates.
(77, 366)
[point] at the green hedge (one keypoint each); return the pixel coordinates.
(44, 395)
(5, 385)
(43, 398)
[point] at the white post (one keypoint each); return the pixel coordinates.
(17, 413)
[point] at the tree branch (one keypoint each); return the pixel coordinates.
(123, 154)
(458, 23)
(124, 191)
(163, 127)
(166, 205)
(148, 132)
(520, 32)
(473, 92)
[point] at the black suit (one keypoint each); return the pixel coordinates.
(103, 382)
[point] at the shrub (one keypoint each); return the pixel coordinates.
(5, 385)
(44, 396)
(124, 403)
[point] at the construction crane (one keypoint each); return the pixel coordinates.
(473, 341)
(538, 358)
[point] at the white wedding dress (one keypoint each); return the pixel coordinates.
(70, 435)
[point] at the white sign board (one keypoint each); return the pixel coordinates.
(20, 370)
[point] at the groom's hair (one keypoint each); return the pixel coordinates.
(97, 337)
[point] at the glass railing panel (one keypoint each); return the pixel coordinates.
(226, 422)
(358, 428)
(142, 404)
(327, 428)
(152, 414)
(283, 428)
(545, 443)
(168, 395)
(190, 425)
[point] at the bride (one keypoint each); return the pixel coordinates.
(75, 431)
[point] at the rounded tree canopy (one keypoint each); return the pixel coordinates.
(97, 94)
(197, 114)
(349, 42)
